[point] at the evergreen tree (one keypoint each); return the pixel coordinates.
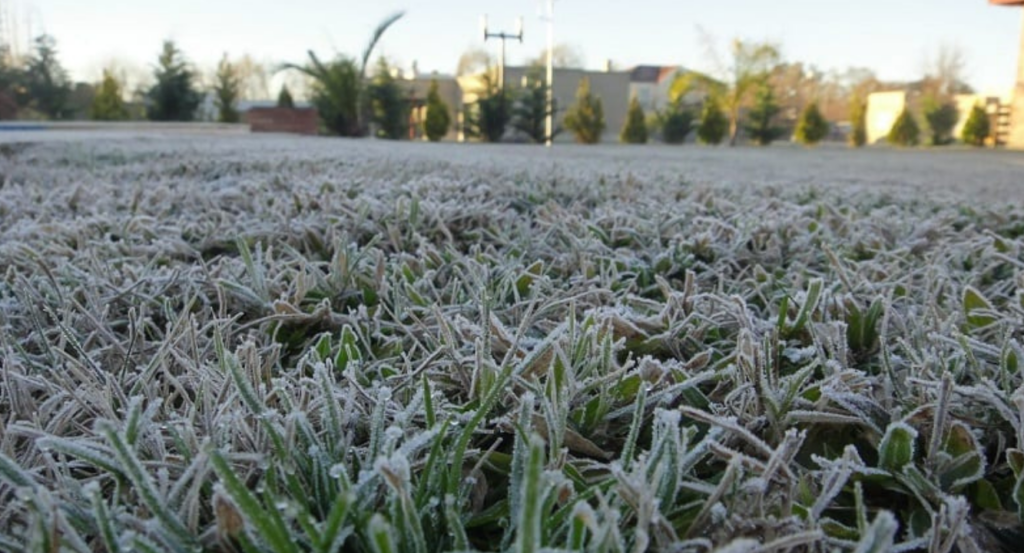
(173, 97)
(858, 122)
(905, 131)
(529, 115)
(713, 123)
(634, 131)
(488, 118)
(941, 118)
(676, 124)
(585, 118)
(389, 104)
(438, 119)
(284, 98)
(761, 117)
(108, 104)
(46, 84)
(812, 127)
(977, 128)
(226, 91)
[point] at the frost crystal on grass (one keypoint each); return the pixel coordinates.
(275, 344)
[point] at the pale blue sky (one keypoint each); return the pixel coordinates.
(894, 37)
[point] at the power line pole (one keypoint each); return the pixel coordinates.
(503, 36)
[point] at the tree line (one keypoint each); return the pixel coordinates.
(754, 94)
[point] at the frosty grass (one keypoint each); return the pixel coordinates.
(241, 344)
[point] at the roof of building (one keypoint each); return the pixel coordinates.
(653, 73)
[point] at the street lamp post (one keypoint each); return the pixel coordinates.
(549, 117)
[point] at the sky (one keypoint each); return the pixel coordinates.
(893, 37)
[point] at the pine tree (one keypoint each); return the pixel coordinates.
(941, 118)
(226, 92)
(173, 97)
(905, 131)
(438, 119)
(47, 87)
(761, 117)
(676, 124)
(108, 104)
(858, 122)
(812, 127)
(634, 131)
(488, 118)
(529, 116)
(713, 123)
(585, 118)
(284, 98)
(977, 128)
(388, 103)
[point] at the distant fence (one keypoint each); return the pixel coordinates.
(286, 120)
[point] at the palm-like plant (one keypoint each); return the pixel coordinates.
(340, 91)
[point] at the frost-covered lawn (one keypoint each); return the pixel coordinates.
(273, 344)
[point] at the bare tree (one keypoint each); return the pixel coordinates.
(750, 65)
(564, 56)
(474, 60)
(945, 72)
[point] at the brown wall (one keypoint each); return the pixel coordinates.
(285, 120)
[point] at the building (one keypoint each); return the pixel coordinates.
(885, 107)
(1015, 132)
(652, 85)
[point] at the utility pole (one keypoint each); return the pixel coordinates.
(549, 119)
(503, 36)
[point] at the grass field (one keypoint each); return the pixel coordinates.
(271, 344)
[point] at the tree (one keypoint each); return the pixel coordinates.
(339, 90)
(562, 55)
(174, 96)
(944, 73)
(676, 123)
(10, 79)
(531, 109)
(905, 131)
(284, 98)
(977, 128)
(473, 61)
(858, 122)
(941, 117)
(761, 117)
(46, 84)
(812, 127)
(713, 123)
(226, 91)
(108, 104)
(389, 104)
(488, 118)
(438, 119)
(752, 63)
(634, 131)
(585, 118)
(253, 78)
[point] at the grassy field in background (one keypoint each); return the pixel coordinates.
(273, 344)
